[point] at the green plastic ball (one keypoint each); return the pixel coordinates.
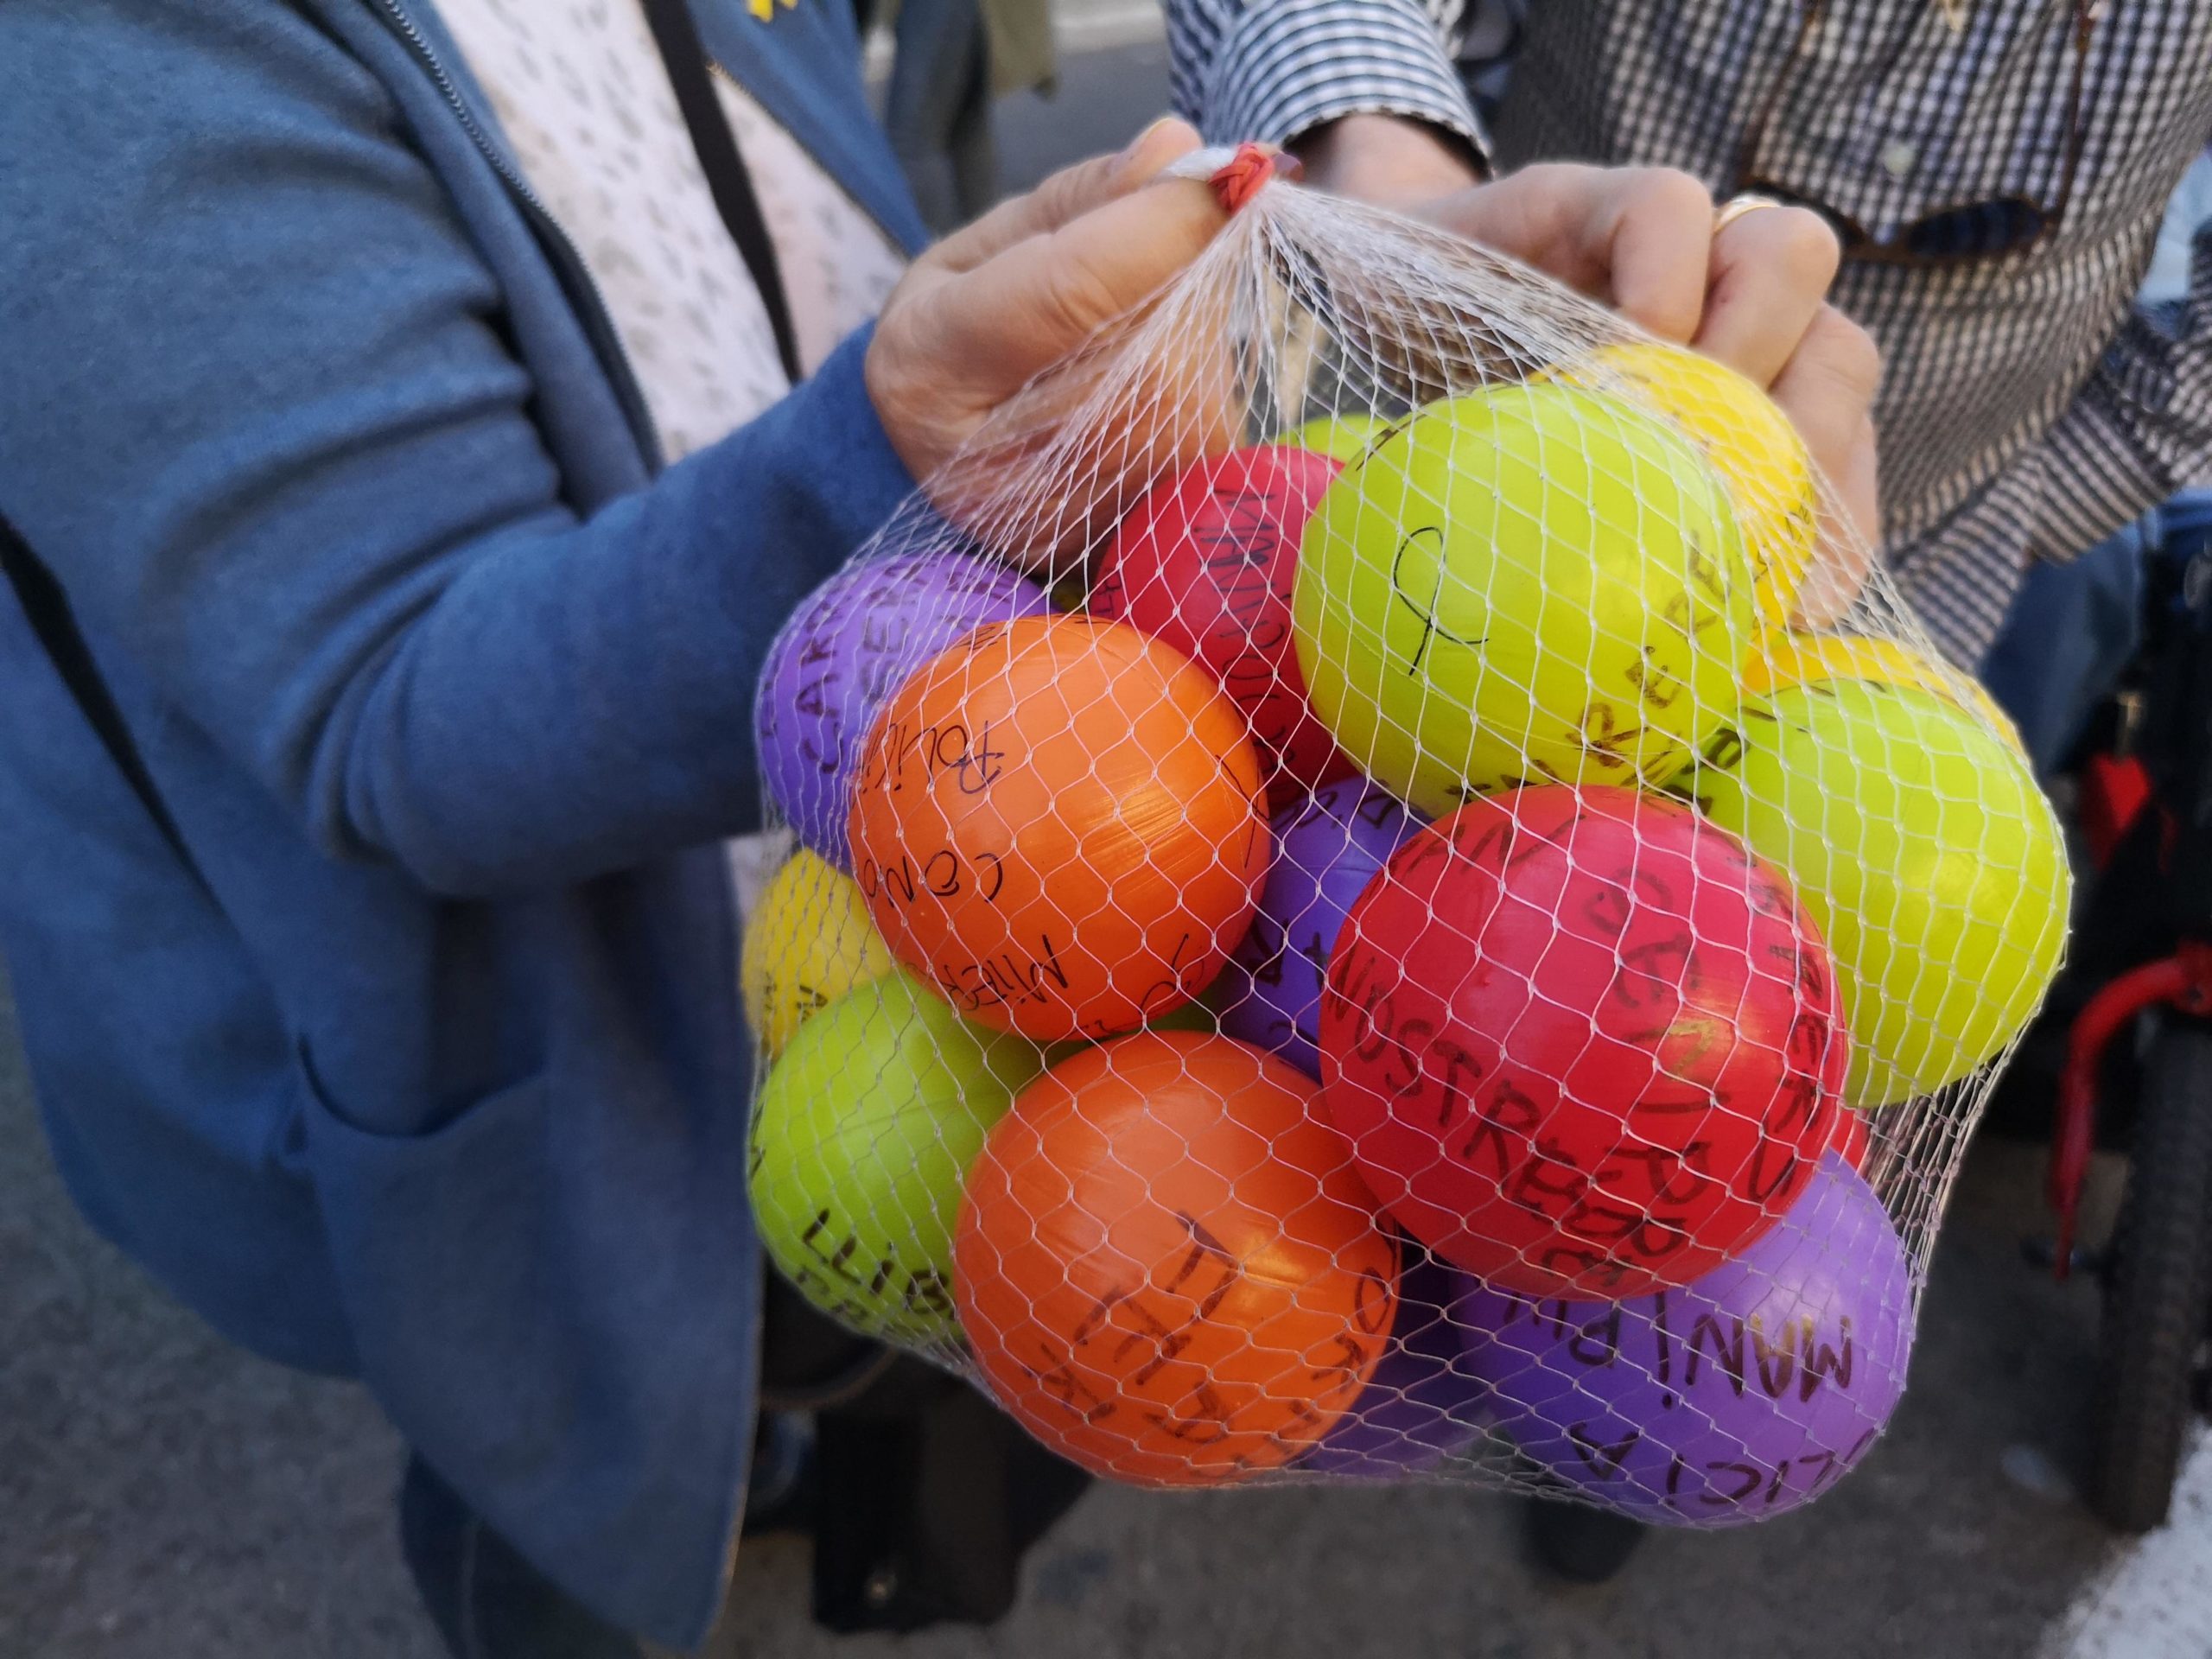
(1918, 842)
(1535, 583)
(861, 1139)
(1341, 437)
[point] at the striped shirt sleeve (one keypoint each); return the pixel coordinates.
(2141, 428)
(1272, 69)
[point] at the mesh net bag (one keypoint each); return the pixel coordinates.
(1379, 890)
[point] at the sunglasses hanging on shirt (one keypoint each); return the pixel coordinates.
(1996, 227)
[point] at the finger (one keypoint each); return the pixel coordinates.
(1858, 485)
(1541, 215)
(1847, 550)
(1828, 391)
(1771, 271)
(1827, 388)
(1639, 238)
(1068, 194)
(1041, 298)
(1658, 255)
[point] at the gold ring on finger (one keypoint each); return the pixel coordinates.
(1736, 207)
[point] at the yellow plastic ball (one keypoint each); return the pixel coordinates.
(810, 941)
(1783, 659)
(1342, 437)
(1749, 442)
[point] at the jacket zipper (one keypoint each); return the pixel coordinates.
(600, 322)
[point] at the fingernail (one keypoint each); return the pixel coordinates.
(1135, 146)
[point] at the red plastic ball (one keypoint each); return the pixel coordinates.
(1584, 1044)
(1206, 563)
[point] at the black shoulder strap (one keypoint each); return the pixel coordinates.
(55, 625)
(678, 35)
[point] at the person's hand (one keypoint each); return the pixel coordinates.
(1642, 240)
(984, 310)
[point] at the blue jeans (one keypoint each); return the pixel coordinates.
(2071, 632)
(486, 1600)
(937, 110)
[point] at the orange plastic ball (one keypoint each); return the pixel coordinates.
(1165, 1265)
(1060, 823)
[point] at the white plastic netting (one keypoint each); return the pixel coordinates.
(1379, 891)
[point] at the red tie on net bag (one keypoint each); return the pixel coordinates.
(1341, 925)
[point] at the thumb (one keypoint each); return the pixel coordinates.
(1043, 296)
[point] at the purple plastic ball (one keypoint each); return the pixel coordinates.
(1738, 1397)
(1421, 1403)
(1328, 847)
(842, 654)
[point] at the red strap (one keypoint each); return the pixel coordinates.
(1241, 176)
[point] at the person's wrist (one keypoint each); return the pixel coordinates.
(1392, 160)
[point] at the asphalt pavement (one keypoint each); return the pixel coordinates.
(163, 1496)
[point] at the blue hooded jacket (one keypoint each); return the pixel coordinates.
(439, 1078)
